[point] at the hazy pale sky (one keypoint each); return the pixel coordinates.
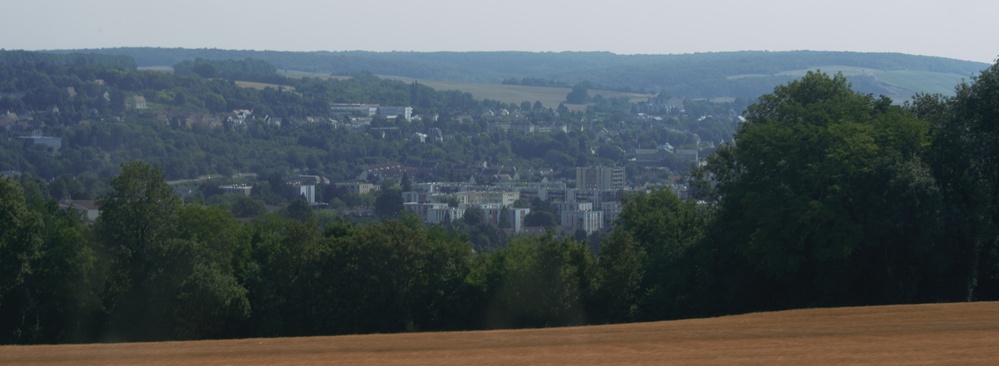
(960, 29)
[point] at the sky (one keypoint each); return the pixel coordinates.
(959, 29)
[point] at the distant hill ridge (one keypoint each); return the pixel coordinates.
(718, 74)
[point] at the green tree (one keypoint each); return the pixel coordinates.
(50, 283)
(298, 210)
(473, 216)
(825, 199)
(280, 285)
(643, 260)
(209, 303)
(975, 105)
(248, 207)
(540, 219)
(210, 299)
(406, 184)
(20, 248)
(963, 161)
(65, 287)
(397, 276)
(484, 235)
(137, 220)
(389, 203)
(504, 219)
(578, 95)
(562, 109)
(538, 281)
(205, 70)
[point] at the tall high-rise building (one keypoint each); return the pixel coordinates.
(599, 177)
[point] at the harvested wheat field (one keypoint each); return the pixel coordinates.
(937, 334)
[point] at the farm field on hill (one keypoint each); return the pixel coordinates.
(952, 334)
(550, 97)
(903, 82)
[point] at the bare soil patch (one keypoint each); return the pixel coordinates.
(935, 334)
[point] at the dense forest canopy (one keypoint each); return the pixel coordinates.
(26, 58)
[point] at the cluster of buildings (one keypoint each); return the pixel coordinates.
(49, 143)
(591, 206)
(371, 110)
(13, 124)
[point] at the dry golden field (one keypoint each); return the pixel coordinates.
(936, 334)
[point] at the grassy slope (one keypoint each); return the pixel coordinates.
(924, 81)
(953, 334)
(549, 97)
(903, 82)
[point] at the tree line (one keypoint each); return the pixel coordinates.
(151, 268)
(247, 69)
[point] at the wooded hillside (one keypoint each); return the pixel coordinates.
(704, 75)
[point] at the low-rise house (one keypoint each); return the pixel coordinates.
(87, 208)
(306, 186)
(391, 112)
(523, 128)
(354, 109)
(434, 213)
(242, 189)
(52, 144)
(650, 156)
(356, 187)
(687, 155)
(136, 102)
(377, 172)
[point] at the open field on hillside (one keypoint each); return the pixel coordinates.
(935, 334)
(550, 97)
(929, 82)
(912, 80)
(245, 84)
(905, 81)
